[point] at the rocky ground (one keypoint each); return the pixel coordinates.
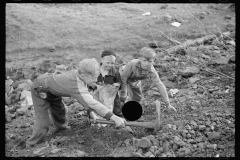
(200, 81)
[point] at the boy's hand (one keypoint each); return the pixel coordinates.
(93, 116)
(170, 107)
(120, 122)
(116, 84)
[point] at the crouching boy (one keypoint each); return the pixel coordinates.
(47, 92)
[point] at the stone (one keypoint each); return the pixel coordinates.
(198, 139)
(153, 149)
(167, 18)
(189, 71)
(178, 141)
(214, 135)
(232, 59)
(136, 154)
(166, 146)
(148, 154)
(193, 123)
(212, 146)
(202, 127)
(168, 84)
(153, 93)
(223, 60)
(61, 67)
(193, 79)
(140, 151)
(144, 143)
(154, 141)
(174, 127)
(189, 135)
(175, 147)
(201, 145)
(228, 17)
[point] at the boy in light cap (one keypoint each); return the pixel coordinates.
(48, 90)
(137, 70)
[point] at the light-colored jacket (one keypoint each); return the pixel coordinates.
(133, 72)
(68, 84)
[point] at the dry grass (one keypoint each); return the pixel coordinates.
(87, 29)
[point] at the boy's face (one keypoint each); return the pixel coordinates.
(108, 62)
(146, 63)
(90, 79)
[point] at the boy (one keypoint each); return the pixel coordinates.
(137, 70)
(47, 92)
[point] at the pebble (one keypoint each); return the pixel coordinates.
(213, 135)
(189, 135)
(166, 146)
(202, 127)
(175, 147)
(144, 143)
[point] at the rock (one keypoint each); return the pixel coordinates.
(212, 146)
(214, 135)
(193, 123)
(166, 146)
(164, 6)
(148, 154)
(201, 145)
(189, 135)
(232, 59)
(153, 93)
(227, 17)
(185, 150)
(202, 127)
(191, 141)
(163, 155)
(175, 147)
(189, 71)
(178, 141)
(61, 67)
(21, 111)
(153, 149)
(136, 154)
(223, 60)
(154, 141)
(144, 143)
(174, 127)
(135, 142)
(167, 18)
(232, 42)
(199, 139)
(172, 92)
(193, 79)
(140, 151)
(168, 84)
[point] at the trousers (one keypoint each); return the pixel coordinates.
(45, 103)
(134, 91)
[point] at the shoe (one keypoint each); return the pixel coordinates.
(62, 129)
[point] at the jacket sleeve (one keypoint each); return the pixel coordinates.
(161, 87)
(82, 95)
(125, 74)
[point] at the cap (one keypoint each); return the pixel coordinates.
(107, 53)
(147, 53)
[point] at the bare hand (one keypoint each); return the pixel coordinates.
(120, 122)
(93, 116)
(116, 84)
